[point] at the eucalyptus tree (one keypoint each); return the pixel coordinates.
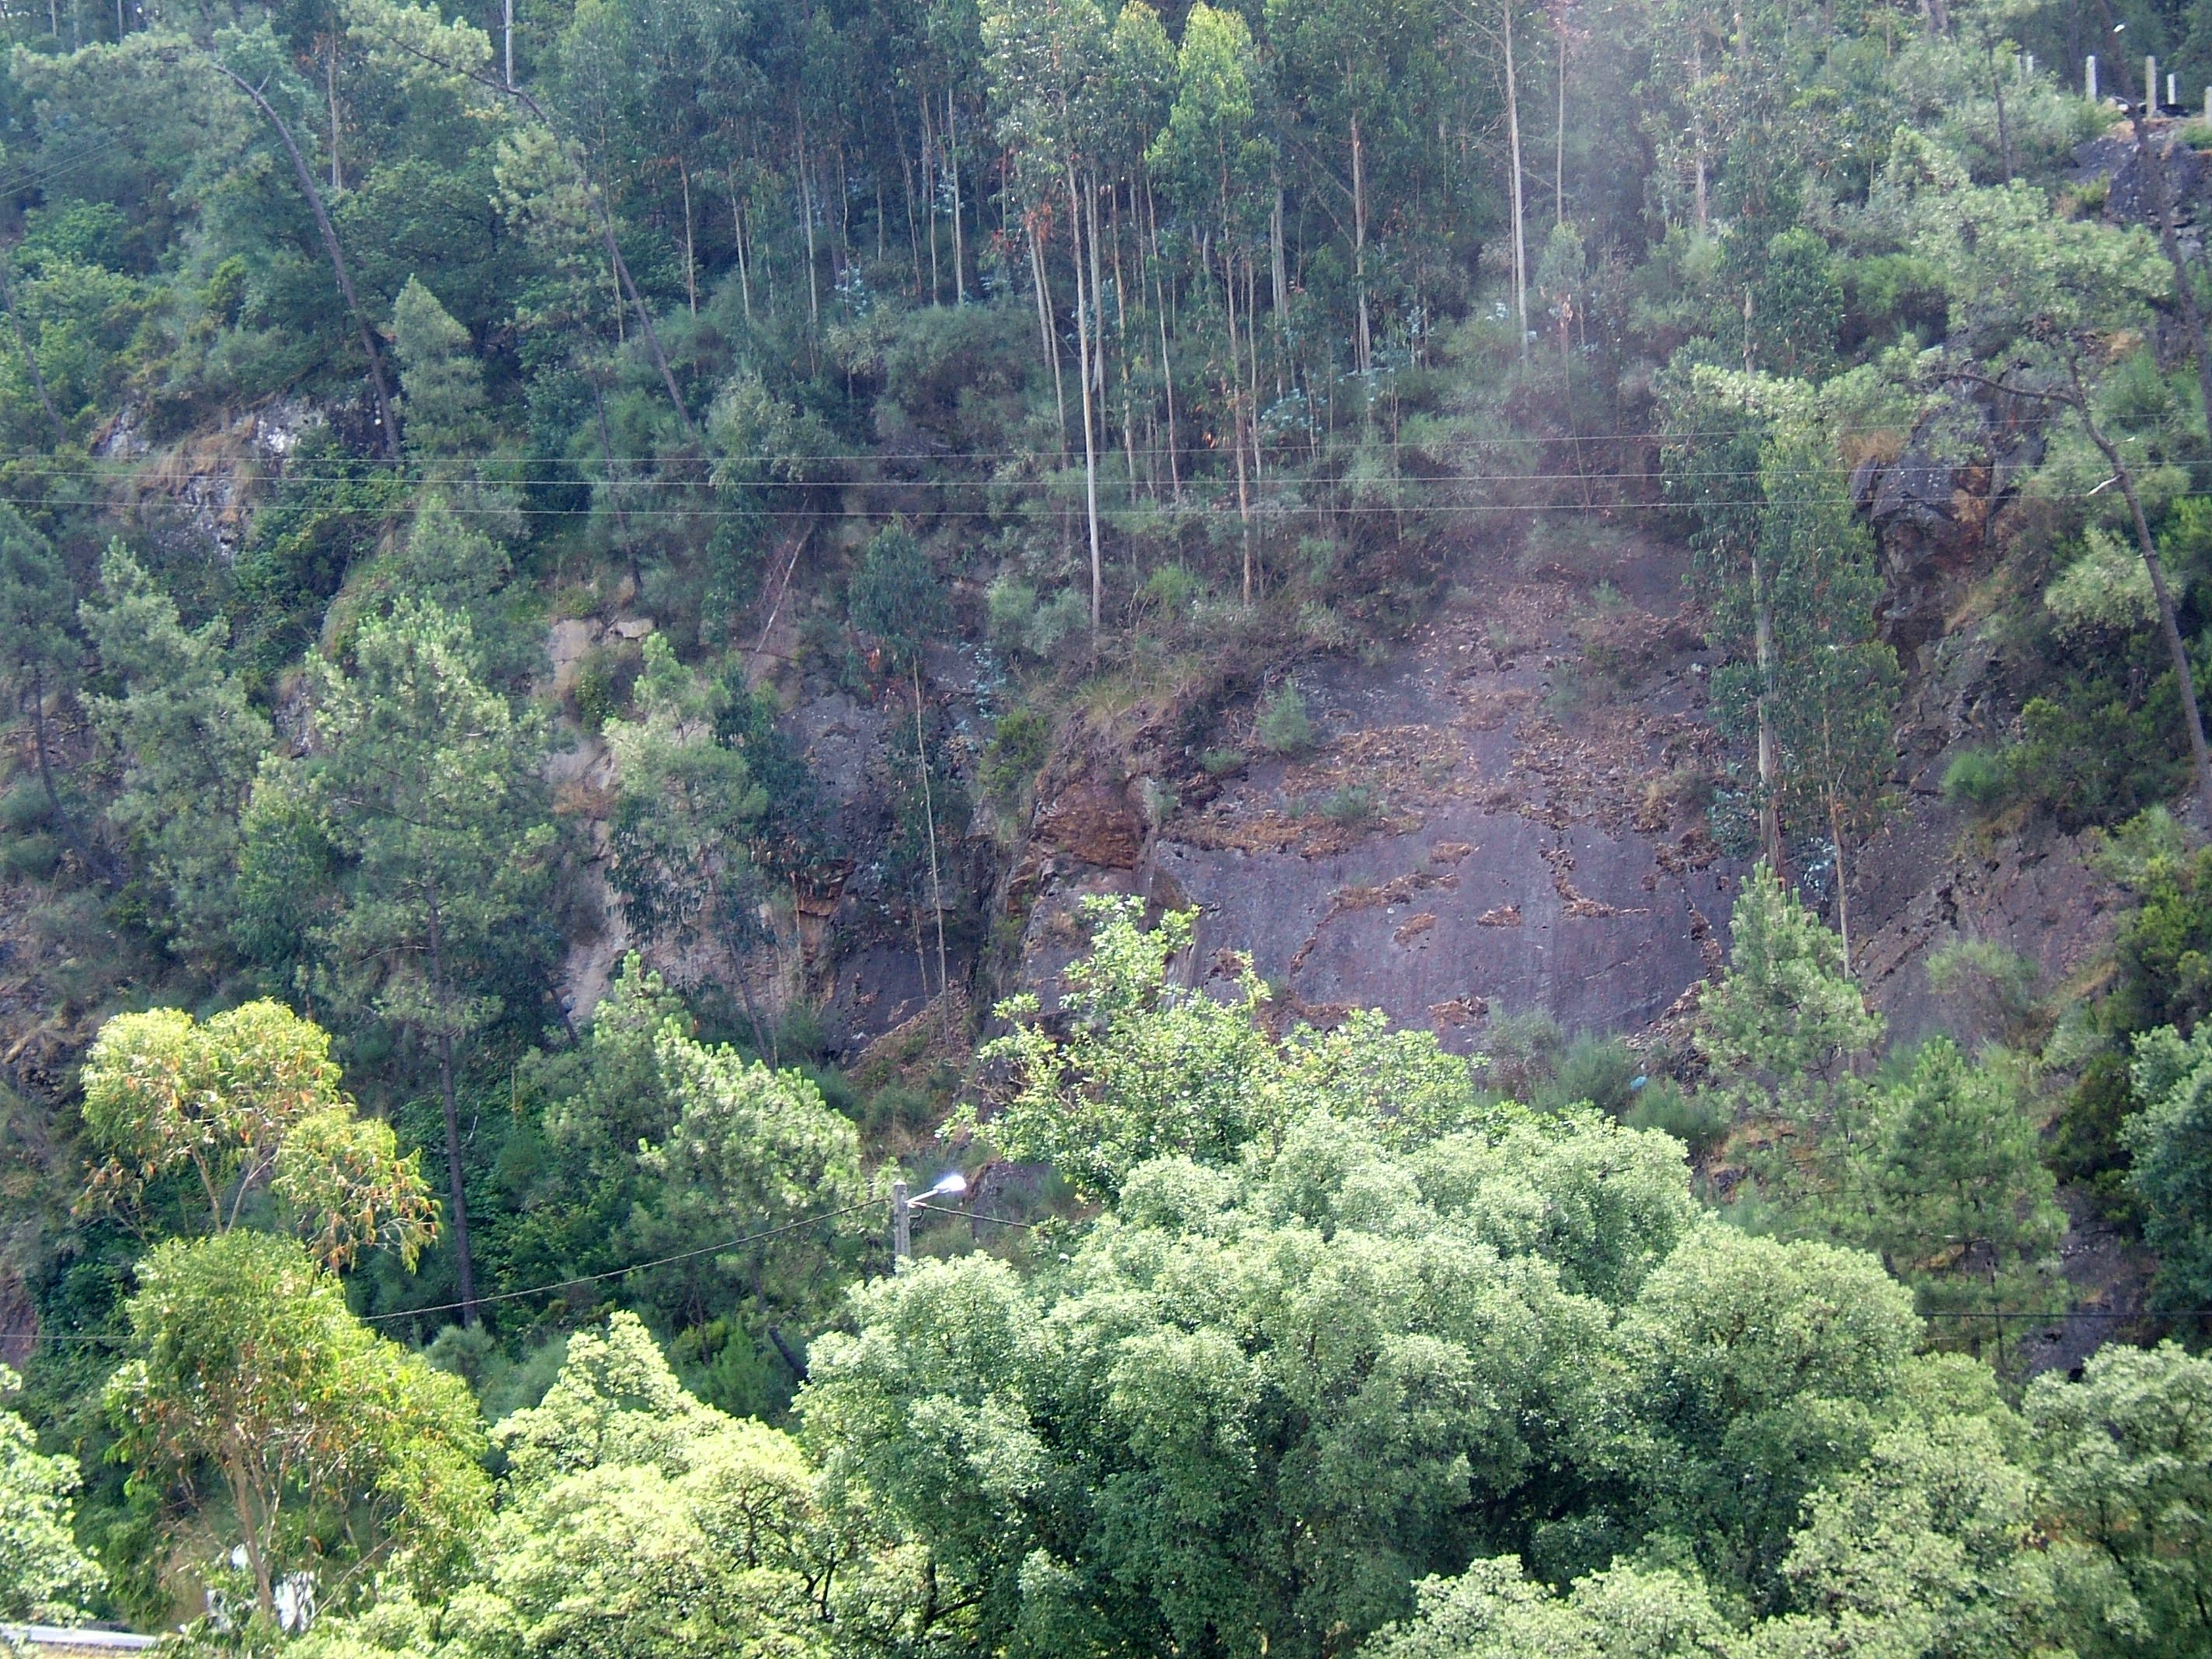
(1044, 64)
(38, 656)
(1217, 168)
(249, 1099)
(45, 1576)
(1365, 92)
(334, 1446)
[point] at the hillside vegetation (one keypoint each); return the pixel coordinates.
(569, 572)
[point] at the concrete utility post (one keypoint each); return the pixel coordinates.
(2090, 78)
(902, 1223)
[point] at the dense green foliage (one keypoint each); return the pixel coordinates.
(1462, 1379)
(441, 449)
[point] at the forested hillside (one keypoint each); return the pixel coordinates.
(1023, 827)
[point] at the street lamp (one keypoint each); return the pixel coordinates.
(950, 1184)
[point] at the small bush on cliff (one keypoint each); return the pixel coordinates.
(1284, 726)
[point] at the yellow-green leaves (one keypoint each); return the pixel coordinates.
(248, 1363)
(249, 1097)
(43, 1575)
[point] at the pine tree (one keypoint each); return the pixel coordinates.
(426, 788)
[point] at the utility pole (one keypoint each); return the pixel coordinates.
(902, 1223)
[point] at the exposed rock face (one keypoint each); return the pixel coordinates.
(2116, 159)
(1931, 505)
(1094, 824)
(1485, 828)
(2033, 891)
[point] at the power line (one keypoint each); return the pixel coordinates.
(2071, 1313)
(509, 458)
(634, 1268)
(509, 1296)
(1277, 482)
(1045, 511)
(975, 1215)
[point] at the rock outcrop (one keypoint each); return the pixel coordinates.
(1485, 826)
(1930, 505)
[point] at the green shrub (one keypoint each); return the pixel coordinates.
(26, 806)
(34, 855)
(604, 679)
(1350, 806)
(1600, 1070)
(1173, 588)
(2086, 1149)
(1010, 603)
(898, 1106)
(1355, 804)
(1020, 624)
(1220, 763)
(1700, 1120)
(1016, 751)
(2165, 949)
(1996, 982)
(895, 595)
(1570, 690)
(1283, 726)
(1524, 1051)
(1977, 777)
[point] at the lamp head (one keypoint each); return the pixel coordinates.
(949, 1185)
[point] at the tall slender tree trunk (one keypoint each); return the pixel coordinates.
(806, 212)
(1044, 330)
(1698, 123)
(1090, 429)
(1520, 225)
(691, 252)
(506, 38)
(23, 345)
(952, 168)
(1122, 346)
(336, 255)
(1167, 362)
(929, 187)
(1843, 878)
(1279, 282)
(744, 265)
(1560, 137)
(464, 1266)
(906, 181)
(644, 312)
(1252, 362)
(1232, 388)
(2004, 127)
(1366, 344)
(1098, 300)
(936, 887)
(2185, 677)
(330, 92)
(250, 1525)
(1770, 815)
